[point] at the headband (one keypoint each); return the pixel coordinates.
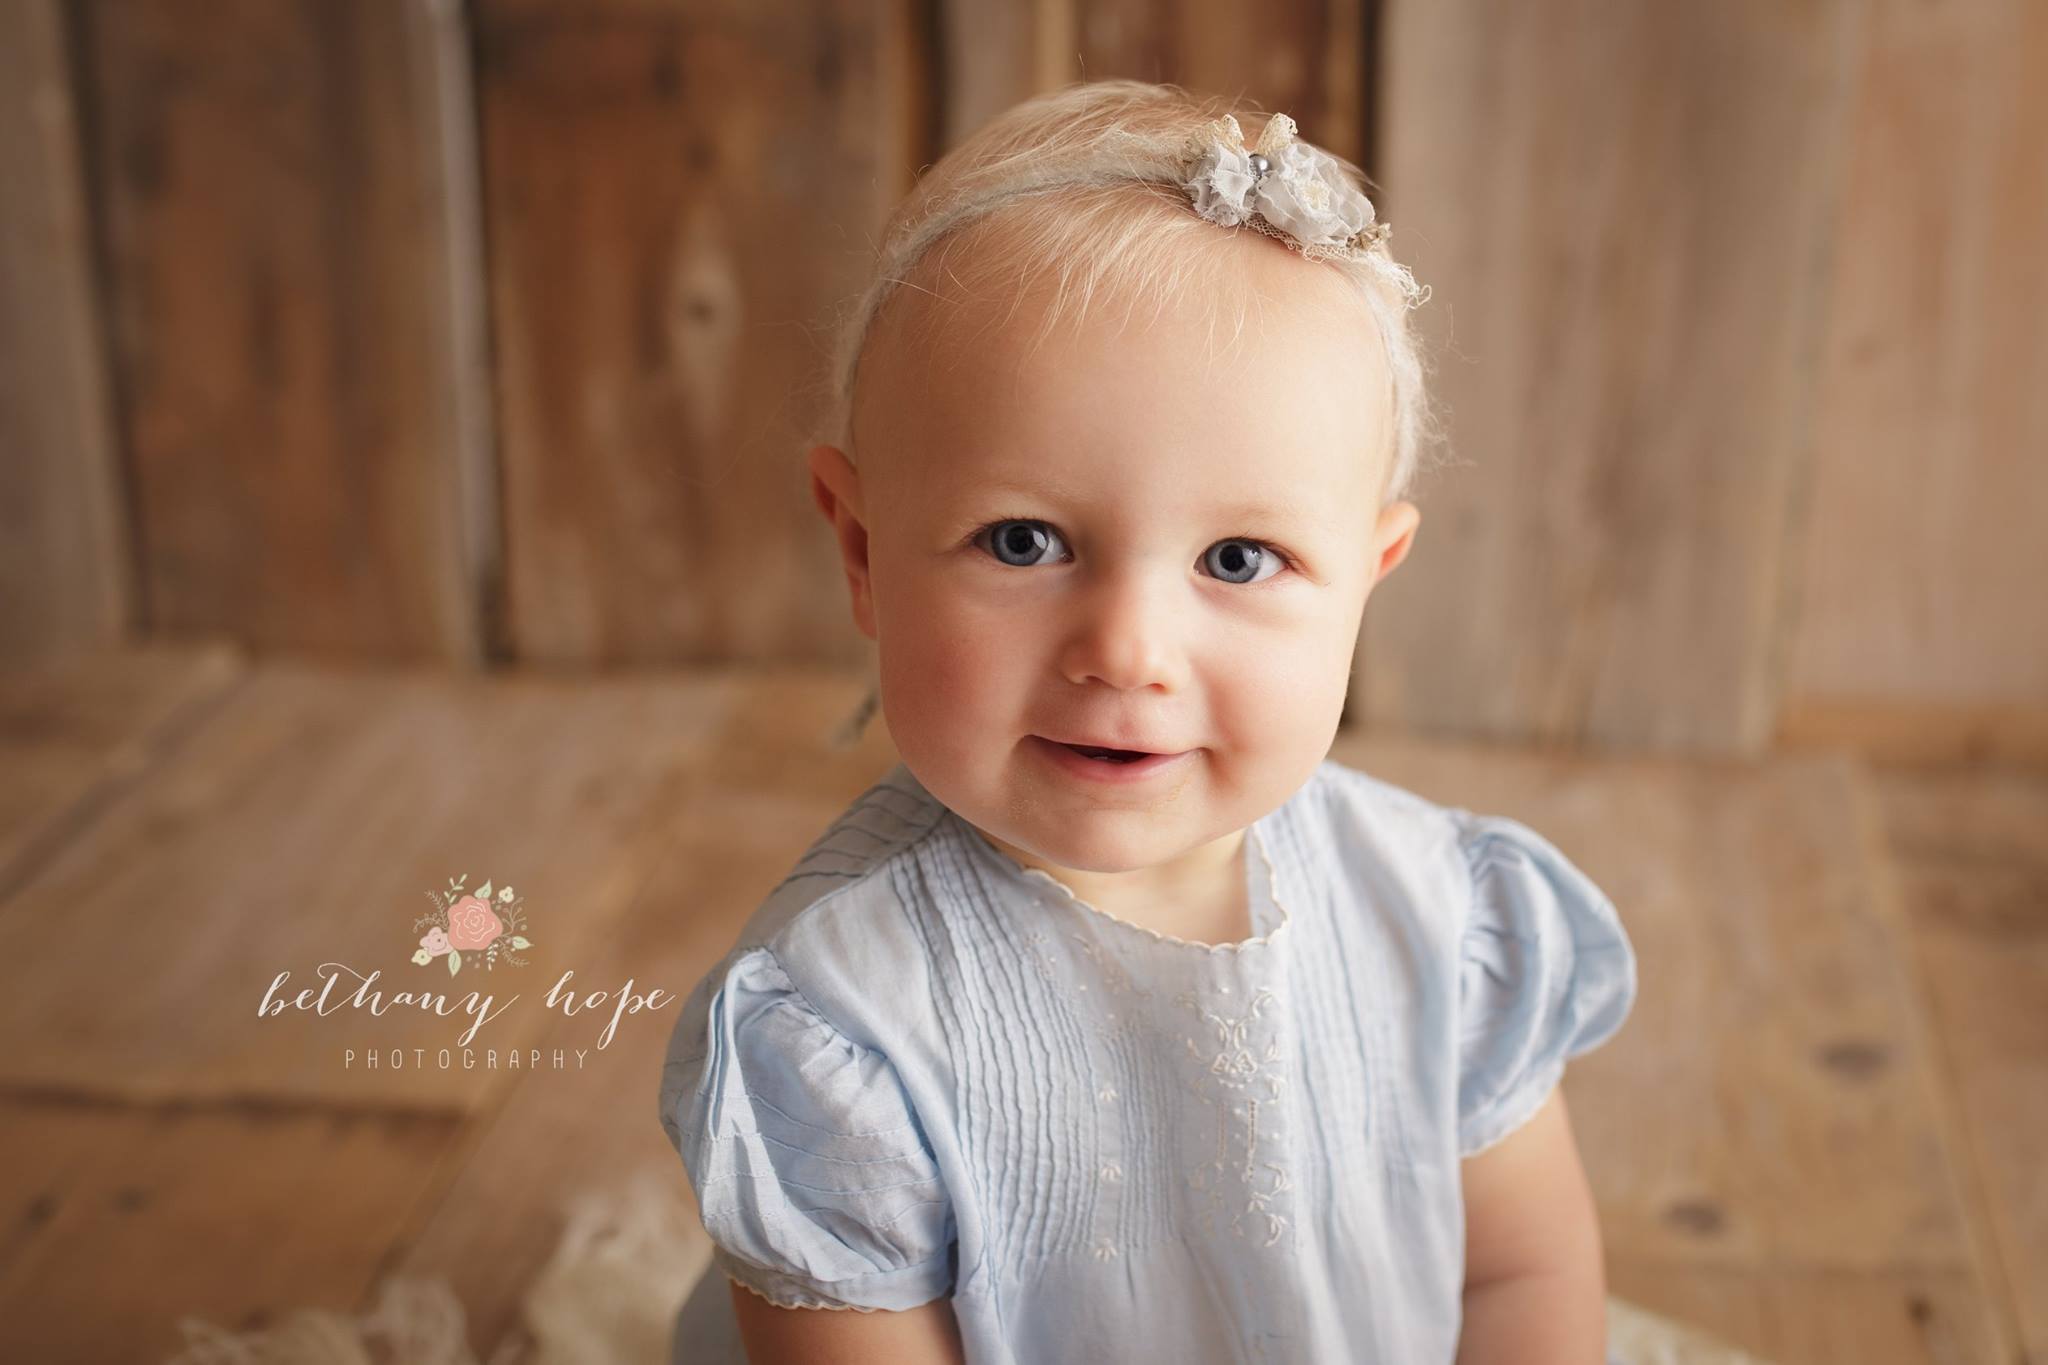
(1285, 188)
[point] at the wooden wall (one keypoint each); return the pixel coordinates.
(1744, 312)
(676, 195)
(272, 225)
(489, 332)
(64, 562)
(1925, 543)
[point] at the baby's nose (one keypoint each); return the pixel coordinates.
(1127, 634)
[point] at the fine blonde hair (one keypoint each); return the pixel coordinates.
(1086, 184)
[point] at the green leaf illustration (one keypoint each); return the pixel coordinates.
(454, 962)
(519, 941)
(484, 892)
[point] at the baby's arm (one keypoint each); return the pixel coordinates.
(1535, 1289)
(926, 1335)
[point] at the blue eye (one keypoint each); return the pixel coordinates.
(1019, 544)
(1241, 561)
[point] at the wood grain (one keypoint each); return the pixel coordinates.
(677, 197)
(1920, 572)
(64, 562)
(1625, 215)
(271, 192)
(78, 729)
(1823, 1317)
(1307, 60)
(1771, 1111)
(132, 1222)
(1971, 851)
(303, 825)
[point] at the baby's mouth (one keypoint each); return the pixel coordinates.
(1108, 755)
(1099, 753)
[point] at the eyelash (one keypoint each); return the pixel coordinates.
(1286, 560)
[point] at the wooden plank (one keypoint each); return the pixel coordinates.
(1307, 60)
(1822, 1317)
(1919, 570)
(677, 194)
(303, 826)
(757, 800)
(1624, 215)
(277, 264)
(64, 570)
(1770, 1108)
(1939, 731)
(996, 53)
(133, 1220)
(1971, 848)
(75, 730)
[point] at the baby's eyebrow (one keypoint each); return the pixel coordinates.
(1255, 516)
(1039, 488)
(1271, 511)
(1251, 509)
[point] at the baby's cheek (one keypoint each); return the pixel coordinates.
(937, 681)
(1290, 691)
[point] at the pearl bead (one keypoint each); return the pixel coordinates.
(1261, 164)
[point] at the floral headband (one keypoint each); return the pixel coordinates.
(1285, 188)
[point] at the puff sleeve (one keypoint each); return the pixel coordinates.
(813, 1175)
(1545, 973)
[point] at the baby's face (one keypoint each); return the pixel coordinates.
(1134, 536)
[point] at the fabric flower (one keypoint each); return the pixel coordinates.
(1222, 180)
(1306, 196)
(471, 924)
(1304, 192)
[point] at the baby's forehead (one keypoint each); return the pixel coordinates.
(1231, 338)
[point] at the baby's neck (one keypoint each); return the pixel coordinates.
(1198, 896)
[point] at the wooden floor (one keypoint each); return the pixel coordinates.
(1819, 1136)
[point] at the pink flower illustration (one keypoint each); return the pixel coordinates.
(471, 924)
(435, 941)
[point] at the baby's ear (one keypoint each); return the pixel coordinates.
(1394, 536)
(835, 487)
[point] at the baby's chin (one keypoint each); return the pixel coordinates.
(1101, 841)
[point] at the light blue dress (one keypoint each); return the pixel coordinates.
(926, 1070)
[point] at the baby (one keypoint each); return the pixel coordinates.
(1116, 1022)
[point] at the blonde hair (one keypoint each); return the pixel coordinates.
(1086, 182)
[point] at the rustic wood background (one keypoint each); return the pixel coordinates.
(490, 333)
(374, 373)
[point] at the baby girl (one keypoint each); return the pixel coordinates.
(1117, 1022)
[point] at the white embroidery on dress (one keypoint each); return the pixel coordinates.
(1041, 961)
(1243, 1064)
(1116, 978)
(1240, 1068)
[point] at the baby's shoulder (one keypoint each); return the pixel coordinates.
(846, 870)
(1362, 820)
(841, 920)
(1362, 790)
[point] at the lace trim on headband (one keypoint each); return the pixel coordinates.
(1291, 191)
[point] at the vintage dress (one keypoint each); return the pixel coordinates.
(925, 1070)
